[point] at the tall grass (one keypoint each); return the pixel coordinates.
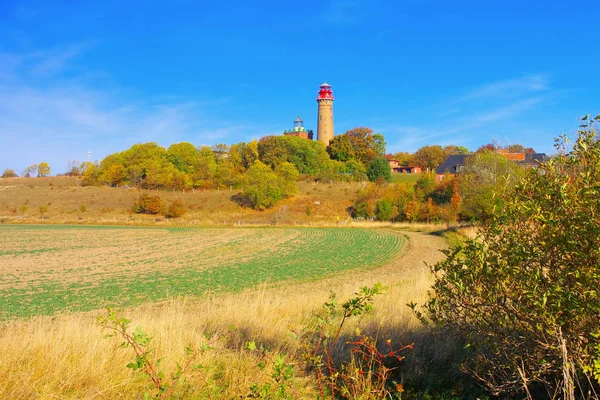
(66, 357)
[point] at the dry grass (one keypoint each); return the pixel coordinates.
(65, 356)
(20, 199)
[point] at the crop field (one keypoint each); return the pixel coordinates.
(52, 268)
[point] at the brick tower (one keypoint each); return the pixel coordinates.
(325, 117)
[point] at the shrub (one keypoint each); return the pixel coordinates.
(264, 187)
(176, 209)
(379, 168)
(147, 204)
(384, 210)
(525, 295)
(360, 210)
(9, 173)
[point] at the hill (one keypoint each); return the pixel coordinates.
(21, 198)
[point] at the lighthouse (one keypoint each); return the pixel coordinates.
(325, 117)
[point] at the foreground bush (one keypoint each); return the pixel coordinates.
(524, 295)
(147, 204)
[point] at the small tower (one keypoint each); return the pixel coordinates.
(298, 124)
(299, 130)
(325, 116)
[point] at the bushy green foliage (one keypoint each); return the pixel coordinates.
(264, 187)
(340, 148)
(147, 204)
(524, 295)
(379, 169)
(487, 179)
(308, 156)
(384, 210)
(361, 209)
(425, 185)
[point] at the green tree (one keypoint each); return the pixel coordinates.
(228, 174)
(484, 182)
(261, 187)
(425, 185)
(206, 167)
(308, 156)
(379, 169)
(379, 144)
(183, 156)
(9, 173)
(356, 170)
(43, 169)
(287, 176)
(525, 295)
(384, 210)
(242, 155)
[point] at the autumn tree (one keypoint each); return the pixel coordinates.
(524, 295)
(90, 173)
(148, 204)
(9, 173)
(366, 144)
(205, 168)
(43, 169)
(340, 148)
(430, 157)
(454, 149)
(405, 159)
(242, 155)
(112, 170)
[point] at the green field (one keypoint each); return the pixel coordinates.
(405, 178)
(47, 269)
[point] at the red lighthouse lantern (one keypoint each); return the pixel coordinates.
(325, 92)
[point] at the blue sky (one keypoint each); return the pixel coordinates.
(78, 76)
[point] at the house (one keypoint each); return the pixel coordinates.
(396, 167)
(456, 162)
(451, 165)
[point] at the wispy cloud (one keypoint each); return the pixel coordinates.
(509, 88)
(479, 110)
(54, 61)
(54, 119)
